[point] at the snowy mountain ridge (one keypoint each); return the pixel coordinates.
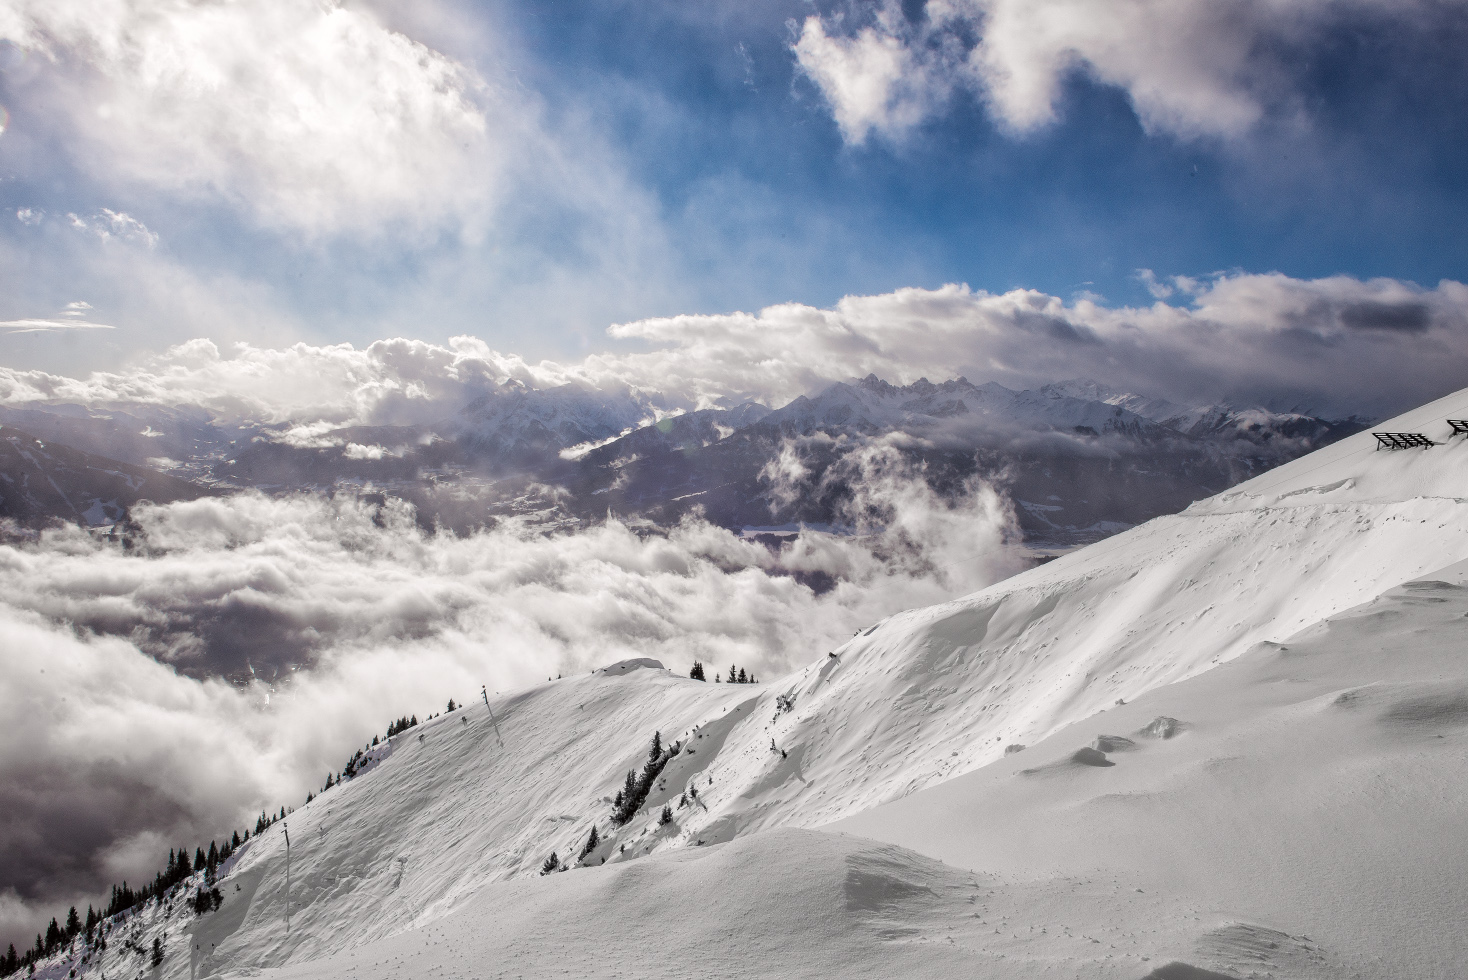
(907, 704)
(1252, 422)
(871, 405)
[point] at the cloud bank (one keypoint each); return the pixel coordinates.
(333, 617)
(1337, 346)
(1193, 68)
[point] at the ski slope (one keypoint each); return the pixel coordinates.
(443, 836)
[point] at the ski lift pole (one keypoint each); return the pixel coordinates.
(287, 831)
(484, 692)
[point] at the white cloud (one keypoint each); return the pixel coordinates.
(29, 216)
(1190, 67)
(1338, 345)
(873, 80)
(109, 225)
(1155, 286)
(311, 115)
(73, 313)
(49, 326)
(355, 450)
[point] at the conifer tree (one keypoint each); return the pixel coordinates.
(452, 706)
(743, 677)
(157, 951)
(657, 746)
(592, 839)
(551, 864)
(733, 675)
(697, 672)
(73, 923)
(666, 817)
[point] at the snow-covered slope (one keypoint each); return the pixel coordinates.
(1250, 422)
(515, 423)
(1305, 819)
(1312, 789)
(872, 405)
(1298, 813)
(939, 691)
(921, 697)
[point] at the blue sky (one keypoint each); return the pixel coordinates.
(646, 159)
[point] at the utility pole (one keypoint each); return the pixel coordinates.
(287, 877)
(484, 692)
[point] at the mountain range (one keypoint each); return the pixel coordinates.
(1079, 461)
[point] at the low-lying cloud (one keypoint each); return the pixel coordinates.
(1337, 345)
(241, 647)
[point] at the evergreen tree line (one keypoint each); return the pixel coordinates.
(737, 675)
(124, 897)
(401, 725)
(265, 821)
(634, 791)
(355, 763)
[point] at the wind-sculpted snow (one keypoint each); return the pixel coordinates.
(1309, 799)
(330, 618)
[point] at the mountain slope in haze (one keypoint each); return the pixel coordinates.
(41, 482)
(1080, 461)
(1254, 424)
(915, 700)
(1079, 466)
